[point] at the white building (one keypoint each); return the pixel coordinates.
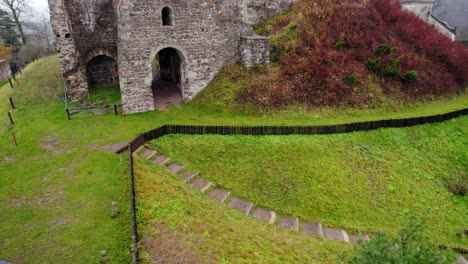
(423, 9)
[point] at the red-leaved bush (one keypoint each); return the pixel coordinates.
(335, 41)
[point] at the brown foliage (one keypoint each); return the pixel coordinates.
(5, 52)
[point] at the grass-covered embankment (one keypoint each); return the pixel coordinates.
(333, 53)
(365, 181)
(180, 224)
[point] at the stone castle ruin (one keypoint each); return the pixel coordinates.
(153, 48)
(150, 46)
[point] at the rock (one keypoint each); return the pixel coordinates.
(104, 258)
(115, 210)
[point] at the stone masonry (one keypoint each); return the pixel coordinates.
(254, 50)
(206, 34)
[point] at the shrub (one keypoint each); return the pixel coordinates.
(384, 49)
(457, 186)
(351, 79)
(339, 45)
(409, 77)
(391, 71)
(374, 64)
(411, 246)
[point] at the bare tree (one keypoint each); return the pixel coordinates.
(17, 9)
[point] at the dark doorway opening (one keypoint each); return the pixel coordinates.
(102, 71)
(166, 16)
(167, 76)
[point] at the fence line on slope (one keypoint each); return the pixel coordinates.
(265, 130)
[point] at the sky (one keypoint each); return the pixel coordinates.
(39, 8)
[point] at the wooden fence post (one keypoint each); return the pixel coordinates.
(11, 119)
(11, 102)
(14, 138)
(115, 110)
(68, 114)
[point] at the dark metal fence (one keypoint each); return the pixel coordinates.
(268, 130)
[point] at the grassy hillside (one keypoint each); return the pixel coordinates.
(361, 181)
(361, 54)
(180, 224)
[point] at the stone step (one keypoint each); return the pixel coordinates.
(175, 168)
(265, 215)
(219, 195)
(313, 229)
(354, 238)
(147, 153)
(202, 185)
(336, 234)
(242, 205)
(188, 176)
(161, 160)
(290, 223)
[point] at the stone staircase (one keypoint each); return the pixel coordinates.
(248, 208)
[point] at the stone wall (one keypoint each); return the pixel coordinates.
(5, 71)
(254, 50)
(205, 33)
(70, 58)
(253, 11)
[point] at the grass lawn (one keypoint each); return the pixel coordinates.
(364, 181)
(57, 186)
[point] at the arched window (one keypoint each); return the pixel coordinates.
(166, 16)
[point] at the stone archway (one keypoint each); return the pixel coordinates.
(167, 82)
(102, 70)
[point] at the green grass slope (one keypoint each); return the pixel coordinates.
(364, 181)
(181, 225)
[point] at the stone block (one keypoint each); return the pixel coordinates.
(265, 215)
(188, 176)
(242, 205)
(202, 185)
(290, 223)
(313, 229)
(335, 234)
(219, 195)
(175, 168)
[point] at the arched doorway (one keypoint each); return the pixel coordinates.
(102, 71)
(167, 78)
